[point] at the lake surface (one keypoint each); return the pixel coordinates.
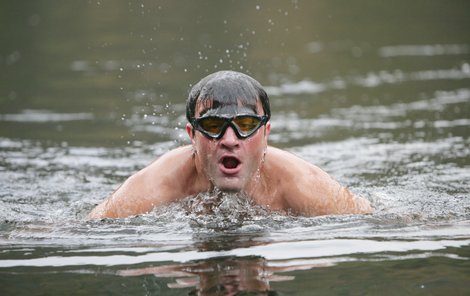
(376, 93)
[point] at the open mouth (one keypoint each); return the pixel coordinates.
(230, 162)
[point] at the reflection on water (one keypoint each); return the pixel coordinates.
(227, 276)
(376, 94)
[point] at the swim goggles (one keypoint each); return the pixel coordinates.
(214, 127)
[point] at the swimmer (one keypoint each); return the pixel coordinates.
(228, 124)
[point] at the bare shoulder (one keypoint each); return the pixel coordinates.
(168, 168)
(158, 183)
(175, 173)
(280, 154)
(174, 160)
(290, 163)
(295, 171)
(309, 190)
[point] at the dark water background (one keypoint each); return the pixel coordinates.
(377, 93)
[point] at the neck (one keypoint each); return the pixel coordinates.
(257, 188)
(200, 183)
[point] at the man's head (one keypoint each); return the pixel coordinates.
(227, 89)
(228, 114)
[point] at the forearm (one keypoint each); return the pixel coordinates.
(118, 206)
(348, 203)
(100, 212)
(126, 201)
(326, 197)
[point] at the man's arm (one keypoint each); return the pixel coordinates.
(325, 196)
(309, 190)
(129, 199)
(161, 182)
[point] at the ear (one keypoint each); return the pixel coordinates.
(190, 132)
(267, 129)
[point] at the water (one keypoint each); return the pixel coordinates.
(376, 94)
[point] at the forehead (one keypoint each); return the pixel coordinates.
(215, 107)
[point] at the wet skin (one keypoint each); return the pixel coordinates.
(269, 176)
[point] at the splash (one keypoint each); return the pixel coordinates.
(221, 210)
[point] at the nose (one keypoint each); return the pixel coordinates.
(229, 139)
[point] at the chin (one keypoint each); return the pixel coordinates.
(229, 185)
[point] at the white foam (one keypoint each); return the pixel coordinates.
(29, 115)
(424, 50)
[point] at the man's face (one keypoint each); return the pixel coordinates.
(229, 163)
